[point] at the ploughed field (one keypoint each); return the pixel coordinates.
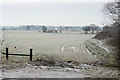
(66, 46)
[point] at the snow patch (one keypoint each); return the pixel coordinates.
(88, 51)
(104, 48)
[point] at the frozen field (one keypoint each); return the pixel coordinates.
(64, 46)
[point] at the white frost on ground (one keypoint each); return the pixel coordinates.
(46, 67)
(62, 48)
(71, 48)
(95, 56)
(104, 48)
(88, 51)
(40, 73)
(100, 42)
(101, 45)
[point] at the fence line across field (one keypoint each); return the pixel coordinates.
(7, 53)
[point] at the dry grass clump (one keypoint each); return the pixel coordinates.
(46, 60)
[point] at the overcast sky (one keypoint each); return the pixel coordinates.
(52, 13)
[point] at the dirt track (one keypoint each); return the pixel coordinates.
(82, 72)
(39, 73)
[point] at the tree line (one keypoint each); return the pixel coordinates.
(91, 27)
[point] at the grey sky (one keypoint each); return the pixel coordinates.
(51, 13)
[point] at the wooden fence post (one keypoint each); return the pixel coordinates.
(30, 54)
(7, 53)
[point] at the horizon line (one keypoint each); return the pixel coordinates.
(49, 25)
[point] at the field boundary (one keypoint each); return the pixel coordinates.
(18, 54)
(105, 56)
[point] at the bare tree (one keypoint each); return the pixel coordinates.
(3, 42)
(86, 29)
(3, 38)
(93, 27)
(44, 29)
(28, 27)
(112, 10)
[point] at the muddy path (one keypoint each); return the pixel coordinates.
(40, 73)
(81, 71)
